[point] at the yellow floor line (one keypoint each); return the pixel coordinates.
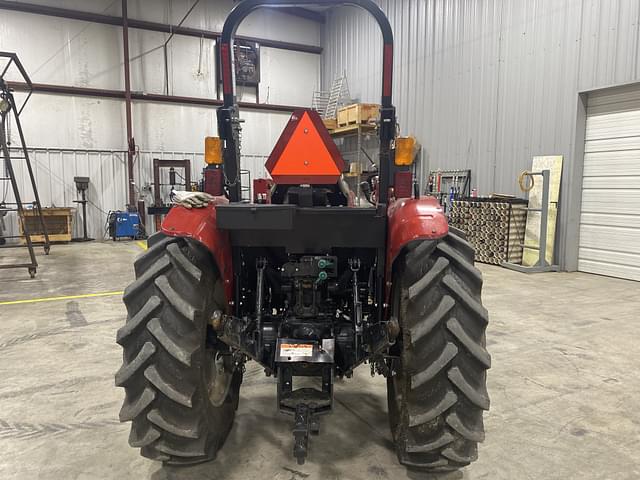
(142, 245)
(68, 297)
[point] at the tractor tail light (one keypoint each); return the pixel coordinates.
(213, 151)
(406, 150)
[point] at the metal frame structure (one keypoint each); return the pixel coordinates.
(364, 135)
(131, 143)
(228, 117)
(159, 209)
(8, 106)
(541, 265)
(142, 97)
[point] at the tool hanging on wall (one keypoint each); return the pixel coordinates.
(449, 185)
(527, 181)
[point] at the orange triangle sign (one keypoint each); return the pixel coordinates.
(305, 153)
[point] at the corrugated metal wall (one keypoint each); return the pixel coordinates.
(489, 84)
(54, 170)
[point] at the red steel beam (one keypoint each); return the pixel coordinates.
(47, 88)
(131, 144)
(146, 25)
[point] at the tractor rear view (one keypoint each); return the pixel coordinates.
(307, 286)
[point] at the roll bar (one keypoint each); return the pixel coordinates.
(228, 119)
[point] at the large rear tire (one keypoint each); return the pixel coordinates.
(181, 385)
(438, 392)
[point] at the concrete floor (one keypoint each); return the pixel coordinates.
(565, 386)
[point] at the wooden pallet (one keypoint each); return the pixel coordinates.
(358, 113)
(330, 123)
(365, 128)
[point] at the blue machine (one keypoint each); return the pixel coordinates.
(124, 225)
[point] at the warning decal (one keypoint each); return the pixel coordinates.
(296, 350)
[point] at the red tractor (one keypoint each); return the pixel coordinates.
(307, 285)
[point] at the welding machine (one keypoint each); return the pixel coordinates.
(124, 225)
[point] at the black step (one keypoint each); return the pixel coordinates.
(309, 396)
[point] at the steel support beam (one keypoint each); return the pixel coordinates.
(145, 25)
(305, 13)
(143, 97)
(131, 144)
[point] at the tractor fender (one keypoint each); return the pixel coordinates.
(200, 224)
(413, 219)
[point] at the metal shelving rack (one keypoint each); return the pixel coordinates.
(352, 142)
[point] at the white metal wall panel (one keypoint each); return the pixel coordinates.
(281, 68)
(610, 218)
(54, 171)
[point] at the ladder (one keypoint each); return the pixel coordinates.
(338, 96)
(327, 103)
(319, 102)
(9, 110)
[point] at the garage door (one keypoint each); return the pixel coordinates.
(610, 217)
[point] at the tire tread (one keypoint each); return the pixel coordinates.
(163, 344)
(439, 394)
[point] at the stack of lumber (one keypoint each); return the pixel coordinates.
(495, 227)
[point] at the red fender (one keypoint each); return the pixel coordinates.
(412, 219)
(200, 224)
